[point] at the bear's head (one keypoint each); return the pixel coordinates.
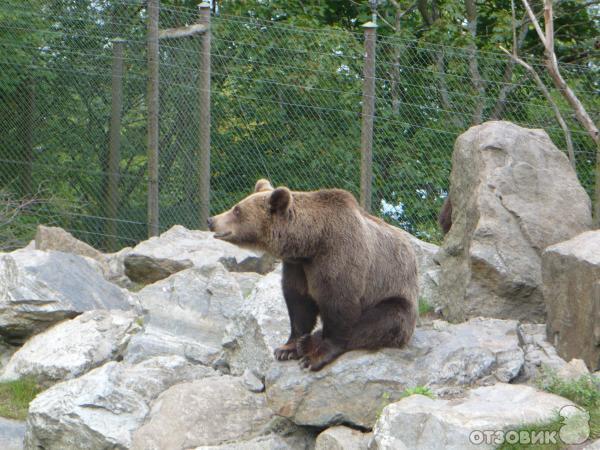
(250, 222)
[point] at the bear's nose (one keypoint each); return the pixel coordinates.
(210, 223)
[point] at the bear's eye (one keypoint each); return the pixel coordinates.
(237, 211)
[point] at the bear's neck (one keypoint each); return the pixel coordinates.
(299, 236)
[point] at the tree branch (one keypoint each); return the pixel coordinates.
(508, 87)
(473, 65)
(559, 118)
(534, 21)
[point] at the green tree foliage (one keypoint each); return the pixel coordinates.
(286, 101)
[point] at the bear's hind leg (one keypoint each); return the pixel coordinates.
(316, 352)
(390, 323)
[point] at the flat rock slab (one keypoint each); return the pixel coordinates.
(102, 409)
(187, 314)
(73, 347)
(180, 248)
(354, 388)
(205, 412)
(39, 289)
(421, 423)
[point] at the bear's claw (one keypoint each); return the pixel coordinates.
(286, 352)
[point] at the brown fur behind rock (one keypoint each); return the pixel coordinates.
(445, 217)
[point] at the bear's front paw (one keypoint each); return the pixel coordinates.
(286, 352)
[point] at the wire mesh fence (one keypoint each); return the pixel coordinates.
(286, 104)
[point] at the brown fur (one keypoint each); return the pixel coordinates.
(445, 217)
(355, 271)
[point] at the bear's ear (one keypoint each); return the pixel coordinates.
(262, 185)
(280, 200)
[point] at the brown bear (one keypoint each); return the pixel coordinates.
(445, 217)
(356, 272)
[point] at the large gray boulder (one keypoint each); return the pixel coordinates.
(571, 274)
(102, 409)
(513, 194)
(187, 315)
(258, 328)
(421, 423)
(353, 389)
(206, 412)
(39, 288)
(180, 248)
(73, 347)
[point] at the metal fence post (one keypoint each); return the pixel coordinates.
(114, 145)
(368, 111)
(204, 132)
(152, 99)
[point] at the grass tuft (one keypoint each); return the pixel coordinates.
(424, 307)
(15, 397)
(421, 390)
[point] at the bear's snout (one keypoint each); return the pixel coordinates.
(211, 223)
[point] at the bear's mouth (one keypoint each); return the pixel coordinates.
(222, 234)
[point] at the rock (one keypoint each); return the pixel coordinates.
(574, 370)
(102, 409)
(12, 433)
(419, 422)
(540, 355)
(247, 281)
(179, 248)
(252, 382)
(259, 326)
(355, 387)
(116, 269)
(429, 269)
(6, 352)
(39, 288)
(146, 270)
(571, 274)
(187, 315)
(513, 194)
(73, 347)
(342, 438)
(55, 238)
(592, 445)
(211, 411)
(300, 441)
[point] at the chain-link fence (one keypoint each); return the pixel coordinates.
(286, 104)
